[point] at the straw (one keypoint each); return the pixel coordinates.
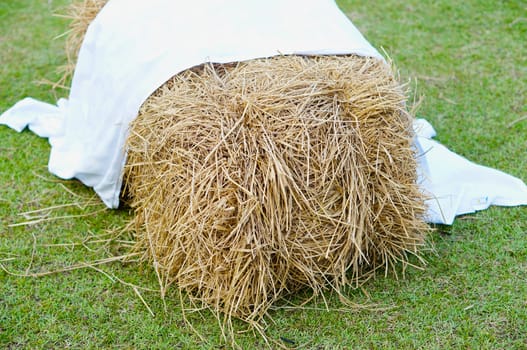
(256, 179)
(80, 13)
(253, 180)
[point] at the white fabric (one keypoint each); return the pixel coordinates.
(134, 46)
(456, 186)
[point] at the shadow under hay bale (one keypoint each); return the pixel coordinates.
(255, 179)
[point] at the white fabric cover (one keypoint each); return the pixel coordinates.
(456, 186)
(134, 46)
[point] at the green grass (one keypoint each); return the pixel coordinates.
(469, 62)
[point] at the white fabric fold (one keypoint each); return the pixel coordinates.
(134, 46)
(457, 186)
(44, 119)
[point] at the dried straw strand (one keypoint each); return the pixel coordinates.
(81, 14)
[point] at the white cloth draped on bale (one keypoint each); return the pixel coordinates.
(457, 186)
(134, 46)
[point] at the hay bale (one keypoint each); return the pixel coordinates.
(255, 179)
(252, 180)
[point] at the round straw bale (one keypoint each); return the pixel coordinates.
(255, 179)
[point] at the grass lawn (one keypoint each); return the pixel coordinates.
(469, 62)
